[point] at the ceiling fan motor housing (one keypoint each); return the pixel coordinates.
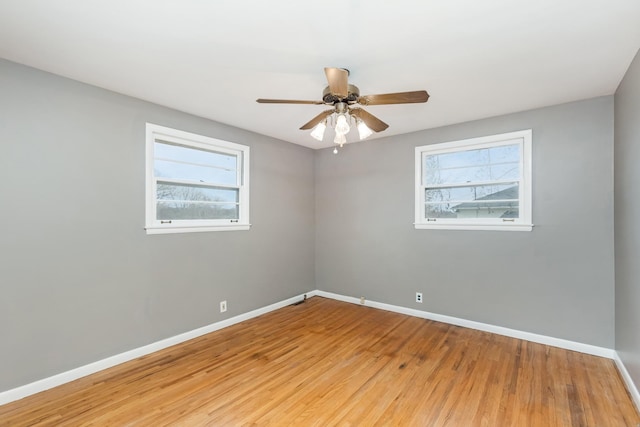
(352, 96)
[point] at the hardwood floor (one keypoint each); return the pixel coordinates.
(325, 363)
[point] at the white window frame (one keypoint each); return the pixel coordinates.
(523, 223)
(160, 133)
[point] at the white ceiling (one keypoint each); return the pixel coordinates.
(214, 58)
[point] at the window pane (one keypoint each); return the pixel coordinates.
(505, 153)
(508, 209)
(175, 210)
(181, 202)
(462, 158)
(480, 201)
(439, 210)
(177, 162)
(198, 193)
(486, 164)
(471, 193)
(173, 170)
(193, 155)
(505, 171)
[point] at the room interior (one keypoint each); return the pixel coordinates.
(85, 287)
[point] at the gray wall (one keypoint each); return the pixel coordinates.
(627, 227)
(557, 280)
(81, 281)
(79, 278)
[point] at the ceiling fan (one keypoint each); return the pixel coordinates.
(343, 98)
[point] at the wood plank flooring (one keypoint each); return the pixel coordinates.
(326, 363)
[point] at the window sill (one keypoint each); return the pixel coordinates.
(496, 227)
(173, 230)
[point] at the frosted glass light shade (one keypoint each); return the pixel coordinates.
(340, 138)
(342, 124)
(363, 130)
(318, 131)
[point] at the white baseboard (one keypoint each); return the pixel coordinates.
(633, 390)
(528, 336)
(68, 376)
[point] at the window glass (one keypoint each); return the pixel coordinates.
(187, 163)
(489, 164)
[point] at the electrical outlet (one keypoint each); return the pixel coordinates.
(223, 306)
(361, 300)
(419, 297)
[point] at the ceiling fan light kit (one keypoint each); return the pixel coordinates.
(342, 96)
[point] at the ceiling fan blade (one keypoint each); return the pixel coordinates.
(287, 101)
(338, 81)
(372, 122)
(395, 98)
(317, 119)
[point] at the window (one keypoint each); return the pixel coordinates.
(475, 184)
(195, 183)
